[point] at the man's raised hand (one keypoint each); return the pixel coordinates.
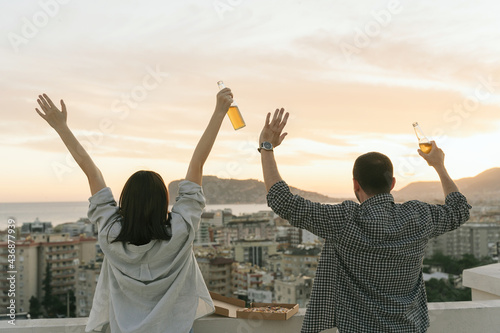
(273, 128)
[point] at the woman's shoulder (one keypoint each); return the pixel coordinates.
(190, 196)
(104, 195)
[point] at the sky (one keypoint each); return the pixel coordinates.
(139, 81)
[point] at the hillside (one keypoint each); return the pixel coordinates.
(237, 191)
(483, 187)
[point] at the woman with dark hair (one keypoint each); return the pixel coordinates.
(150, 280)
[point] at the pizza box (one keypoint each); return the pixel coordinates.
(292, 309)
(226, 306)
(233, 307)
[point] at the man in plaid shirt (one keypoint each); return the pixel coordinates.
(369, 277)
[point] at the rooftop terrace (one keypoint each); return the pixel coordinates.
(482, 314)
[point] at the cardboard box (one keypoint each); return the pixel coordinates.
(292, 309)
(226, 306)
(233, 307)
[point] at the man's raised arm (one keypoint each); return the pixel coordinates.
(436, 160)
(271, 133)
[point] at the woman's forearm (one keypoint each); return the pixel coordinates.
(82, 158)
(58, 121)
(204, 147)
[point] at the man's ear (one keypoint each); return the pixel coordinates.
(393, 182)
(356, 185)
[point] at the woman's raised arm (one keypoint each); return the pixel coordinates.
(202, 150)
(58, 121)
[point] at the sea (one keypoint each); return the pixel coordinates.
(62, 212)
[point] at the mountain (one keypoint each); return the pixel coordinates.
(236, 191)
(483, 187)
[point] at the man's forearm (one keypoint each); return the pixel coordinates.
(447, 183)
(270, 169)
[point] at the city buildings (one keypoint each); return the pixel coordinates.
(87, 276)
(81, 227)
(217, 273)
(252, 283)
(36, 253)
(254, 251)
(294, 290)
(26, 266)
(258, 257)
(480, 239)
(301, 260)
(36, 227)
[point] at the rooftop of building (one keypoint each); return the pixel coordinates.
(253, 240)
(303, 250)
(247, 220)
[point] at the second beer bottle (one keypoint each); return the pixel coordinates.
(424, 143)
(233, 113)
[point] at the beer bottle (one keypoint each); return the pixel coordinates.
(424, 143)
(233, 113)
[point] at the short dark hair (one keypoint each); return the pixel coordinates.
(374, 173)
(144, 209)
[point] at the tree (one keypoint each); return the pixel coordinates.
(444, 291)
(52, 304)
(456, 266)
(48, 298)
(72, 304)
(35, 307)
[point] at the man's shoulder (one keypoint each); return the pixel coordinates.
(413, 204)
(350, 203)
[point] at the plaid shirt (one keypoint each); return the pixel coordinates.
(369, 277)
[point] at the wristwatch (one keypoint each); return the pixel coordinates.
(266, 146)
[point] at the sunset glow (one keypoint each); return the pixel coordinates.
(140, 78)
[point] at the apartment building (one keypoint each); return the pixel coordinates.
(294, 290)
(87, 276)
(254, 251)
(300, 260)
(479, 239)
(217, 274)
(34, 254)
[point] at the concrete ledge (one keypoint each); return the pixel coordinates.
(449, 317)
(484, 282)
(218, 324)
(466, 317)
(71, 325)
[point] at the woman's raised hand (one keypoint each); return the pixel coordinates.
(51, 114)
(224, 100)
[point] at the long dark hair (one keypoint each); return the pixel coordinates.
(143, 209)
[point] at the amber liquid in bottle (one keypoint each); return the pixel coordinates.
(424, 143)
(233, 113)
(425, 147)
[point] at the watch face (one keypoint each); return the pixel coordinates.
(267, 145)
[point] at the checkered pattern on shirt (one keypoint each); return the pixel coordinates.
(369, 276)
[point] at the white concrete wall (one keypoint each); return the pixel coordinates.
(484, 282)
(450, 317)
